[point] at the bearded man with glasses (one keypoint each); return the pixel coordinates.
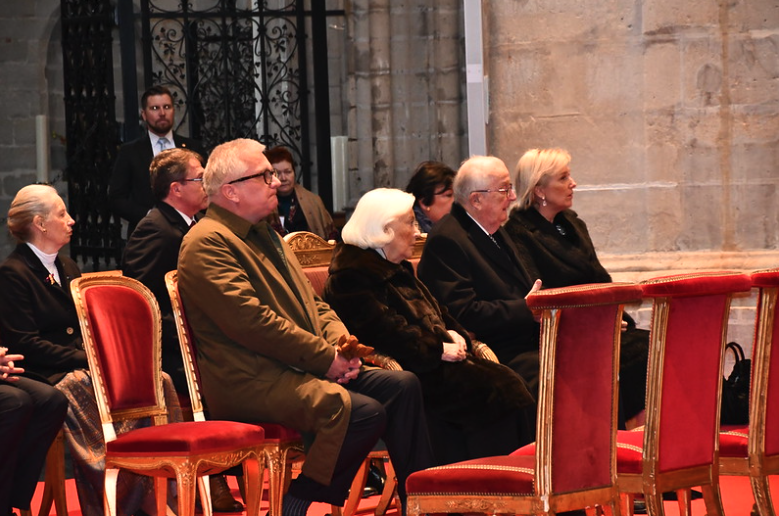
(472, 267)
(269, 347)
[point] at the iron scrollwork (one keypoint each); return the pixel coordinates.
(233, 67)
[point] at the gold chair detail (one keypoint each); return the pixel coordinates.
(121, 327)
(572, 464)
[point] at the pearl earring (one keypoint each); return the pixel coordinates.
(543, 202)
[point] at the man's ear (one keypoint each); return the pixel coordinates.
(228, 192)
(474, 198)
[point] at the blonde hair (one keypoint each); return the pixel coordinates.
(226, 163)
(535, 168)
(29, 202)
(368, 227)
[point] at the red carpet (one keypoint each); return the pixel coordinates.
(736, 499)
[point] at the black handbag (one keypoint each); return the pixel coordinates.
(735, 389)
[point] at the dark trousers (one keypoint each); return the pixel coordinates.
(31, 414)
(386, 405)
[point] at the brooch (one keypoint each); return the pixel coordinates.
(50, 279)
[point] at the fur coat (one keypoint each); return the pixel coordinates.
(387, 307)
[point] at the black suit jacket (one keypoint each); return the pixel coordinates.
(37, 318)
(484, 287)
(129, 189)
(151, 251)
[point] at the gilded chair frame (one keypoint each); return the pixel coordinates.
(546, 497)
(279, 454)
(759, 462)
(190, 469)
(652, 481)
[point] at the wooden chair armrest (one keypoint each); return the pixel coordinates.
(383, 361)
(482, 350)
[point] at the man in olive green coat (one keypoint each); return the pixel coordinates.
(266, 342)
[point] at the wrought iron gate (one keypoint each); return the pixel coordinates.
(237, 68)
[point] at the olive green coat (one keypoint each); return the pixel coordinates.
(262, 351)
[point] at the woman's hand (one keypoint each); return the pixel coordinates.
(7, 367)
(536, 287)
(454, 351)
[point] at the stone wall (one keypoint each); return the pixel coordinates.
(669, 110)
(31, 84)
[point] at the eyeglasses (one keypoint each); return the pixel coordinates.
(192, 180)
(267, 176)
(505, 190)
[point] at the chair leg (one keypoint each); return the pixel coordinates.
(711, 495)
(684, 500)
(390, 490)
(54, 486)
(205, 495)
(186, 484)
(358, 486)
(654, 504)
(762, 495)
(109, 495)
(279, 475)
(252, 478)
(161, 495)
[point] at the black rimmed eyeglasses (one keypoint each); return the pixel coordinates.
(267, 176)
(192, 180)
(506, 190)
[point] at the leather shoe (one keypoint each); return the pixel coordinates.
(639, 506)
(221, 498)
(374, 484)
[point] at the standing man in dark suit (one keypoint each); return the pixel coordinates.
(470, 265)
(153, 249)
(129, 189)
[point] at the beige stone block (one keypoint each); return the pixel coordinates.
(703, 72)
(755, 216)
(664, 217)
(754, 68)
(758, 15)
(662, 162)
(662, 75)
(702, 212)
(614, 218)
(665, 17)
(541, 20)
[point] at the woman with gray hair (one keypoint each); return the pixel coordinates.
(38, 319)
(475, 407)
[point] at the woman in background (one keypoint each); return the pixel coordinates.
(431, 186)
(299, 209)
(38, 319)
(549, 233)
(476, 407)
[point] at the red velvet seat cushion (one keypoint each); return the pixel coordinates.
(733, 441)
(186, 438)
(630, 446)
(281, 433)
(511, 475)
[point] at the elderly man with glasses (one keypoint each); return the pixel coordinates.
(471, 266)
(176, 177)
(269, 349)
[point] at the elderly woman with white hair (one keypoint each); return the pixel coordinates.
(476, 408)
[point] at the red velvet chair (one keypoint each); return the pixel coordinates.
(282, 445)
(678, 447)
(121, 327)
(753, 450)
(572, 464)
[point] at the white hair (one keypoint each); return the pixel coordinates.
(368, 226)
